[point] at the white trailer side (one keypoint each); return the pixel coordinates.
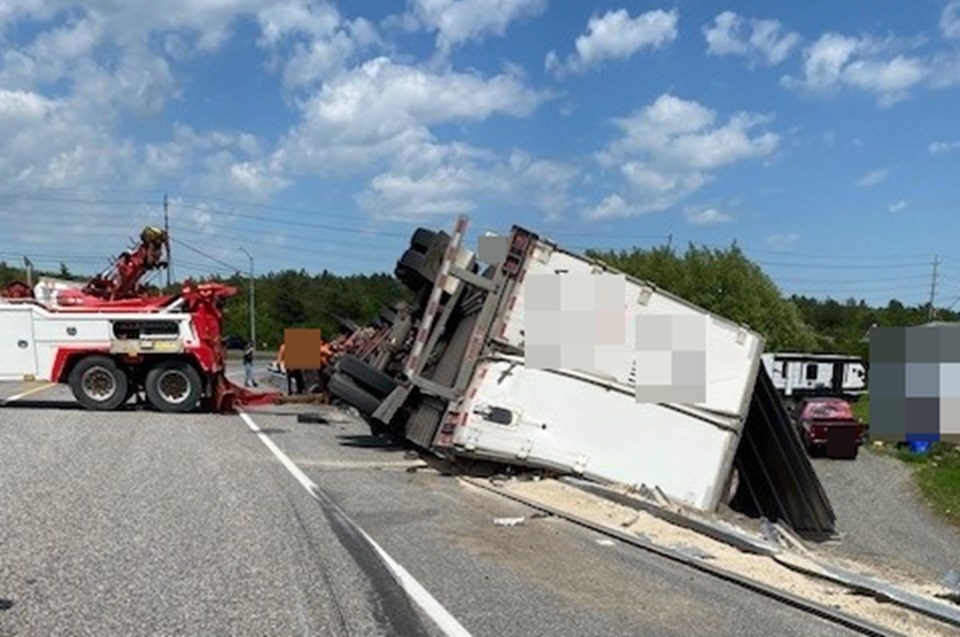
(589, 421)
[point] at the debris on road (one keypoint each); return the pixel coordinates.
(911, 613)
(312, 418)
(509, 521)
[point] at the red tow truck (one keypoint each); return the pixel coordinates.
(110, 340)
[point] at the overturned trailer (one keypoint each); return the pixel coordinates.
(459, 378)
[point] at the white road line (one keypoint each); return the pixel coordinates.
(414, 589)
(29, 392)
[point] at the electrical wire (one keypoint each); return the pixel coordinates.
(204, 254)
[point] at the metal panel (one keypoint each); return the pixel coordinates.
(543, 418)
(18, 349)
(776, 477)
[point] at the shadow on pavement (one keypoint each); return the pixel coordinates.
(367, 441)
(64, 405)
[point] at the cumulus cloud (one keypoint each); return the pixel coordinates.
(616, 36)
(707, 216)
(457, 22)
(672, 148)
(760, 41)
(873, 178)
(435, 180)
(941, 148)
(890, 68)
(378, 109)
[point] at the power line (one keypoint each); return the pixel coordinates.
(204, 254)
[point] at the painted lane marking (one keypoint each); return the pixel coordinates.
(413, 588)
(29, 392)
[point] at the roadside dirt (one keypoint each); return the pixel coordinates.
(757, 567)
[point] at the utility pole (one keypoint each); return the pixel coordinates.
(670, 242)
(933, 286)
(166, 230)
(28, 265)
(253, 306)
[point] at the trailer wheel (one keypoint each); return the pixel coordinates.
(422, 239)
(342, 388)
(173, 386)
(366, 375)
(98, 383)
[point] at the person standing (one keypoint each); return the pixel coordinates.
(249, 380)
(294, 376)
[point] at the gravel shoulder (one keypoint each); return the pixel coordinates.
(883, 519)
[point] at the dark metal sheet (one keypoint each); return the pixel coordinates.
(777, 480)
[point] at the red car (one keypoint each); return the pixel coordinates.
(829, 425)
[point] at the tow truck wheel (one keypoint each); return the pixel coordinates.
(98, 383)
(173, 386)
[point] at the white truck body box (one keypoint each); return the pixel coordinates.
(31, 335)
(590, 422)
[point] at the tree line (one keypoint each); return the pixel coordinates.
(723, 281)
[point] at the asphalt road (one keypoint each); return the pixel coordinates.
(139, 523)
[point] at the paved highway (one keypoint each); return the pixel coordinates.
(139, 523)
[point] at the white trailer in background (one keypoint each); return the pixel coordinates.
(796, 374)
(478, 398)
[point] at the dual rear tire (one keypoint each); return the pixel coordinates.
(99, 383)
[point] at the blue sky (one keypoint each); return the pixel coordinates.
(823, 137)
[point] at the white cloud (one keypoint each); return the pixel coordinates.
(950, 20)
(898, 206)
(707, 217)
(435, 180)
(460, 21)
(612, 207)
(873, 178)
(887, 67)
(671, 148)
(940, 148)
(380, 108)
(616, 36)
(781, 241)
(758, 40)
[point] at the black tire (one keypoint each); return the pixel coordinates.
(366, 376)
(173, 386)
(99, 384)
(421, 239)
(413, 262)
(343, 388)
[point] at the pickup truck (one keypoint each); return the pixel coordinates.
(828, 425)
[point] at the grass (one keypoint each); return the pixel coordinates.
(936, 472)
(861, 409)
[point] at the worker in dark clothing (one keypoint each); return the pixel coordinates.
(249, 380)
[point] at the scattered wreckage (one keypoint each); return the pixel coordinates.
(467, 371)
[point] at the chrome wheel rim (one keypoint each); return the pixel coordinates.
(99, 383)
(173, 386)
